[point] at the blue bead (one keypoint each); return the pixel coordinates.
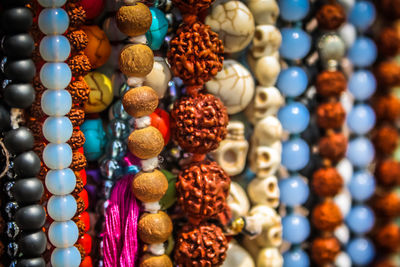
(360, 219)
(361, 251)
(295, 154)
(54, 48)
(55, 76)
(362, 185)
(295, 258)
(363, 52)
(158, 29)
(66, 257)
(295, 228)
(360, 152)
(296, 43)
(294, 117)
(53, 21)
(362, 84)
(61, 208)
(293, 191)
(292, 81)
(361, 119)
(57, 129)
(362, 15)
(63, 234)
(51, 3)
(56, 103)
(60, 182)
(57, 156)
(294, 10)
(95, 139)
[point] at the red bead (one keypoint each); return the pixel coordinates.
(84, 195)
(83, 176)
(85, 218)
(93, 8)
(86, 242)
(160, 120)
(87, 262)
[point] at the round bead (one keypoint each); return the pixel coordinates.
(149, 260)
(362, 185)
(293, 191)
(362, 84)
(26, 191)
(57, 156)
(54, 48)
(101, 93)
(31, 217)
(292, 82)
(98, 49)
(140, 101)
(295, 44)
(60, 182)
(146, 143)
(32, 244)
(363, 52)
(55, 76)
(56, 103)
(93, 8)
(51, 3)
(27, 164)
(360, 152)
(17, 20)
(19, 140)
(296, 228)
(134, 20)
(63, 234)
(294, 117)
(150, 186)
(362, 15)
(295, 154)
(136, 60)
(158, 29)
(160, 119)
(154, 228)
(116, 149)
(18, 45)
(53, 21)
(22, 70)
(294, 10)
(296, 258)
(61, 208)
(57, 129)
(33, 262)
(118, 129)
(66, 257)
(360, 219)
(361, 119)
(361, 251)
(19, 95)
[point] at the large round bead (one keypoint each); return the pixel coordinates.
(140, 101)
(98, 49)
(63, 234)
(149, 260)
(136, 60)
(19, 140)
(101, 92)
(60, 182)
(154, 228)
(134, 20)
(146, 143)
(66, 257)
(149, 186)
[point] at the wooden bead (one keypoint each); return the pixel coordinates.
(134, 20)
(149, 260)
(136, 60)
(150, 186)
(146, 143)
(154, 228)
(140, 101)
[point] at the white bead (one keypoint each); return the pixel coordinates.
(142, 122)
(152, 207)
(149, 164)
(157, 249)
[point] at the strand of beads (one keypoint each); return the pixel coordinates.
(55, 75)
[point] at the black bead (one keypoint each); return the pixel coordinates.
(28, 191)
(32, 244)
(22, 70)
(12, 230)
(17, 19)
(19, 95)
(31, 217)
(27, 164)
(35, 262)
(19, 140)
(5, 121)
(18, 46)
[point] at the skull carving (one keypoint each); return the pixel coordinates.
(267, 131)
(269, 257)
(266, 41)
(264, 11)
(271, 234)
(264, 191)
(237, 256)
(238, 201)
(265, 160)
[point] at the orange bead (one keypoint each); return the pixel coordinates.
(98, 49)
(160, 120)
(87, 262)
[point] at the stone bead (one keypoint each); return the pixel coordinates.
(55, 76)
(159, 77)
(296, 43)
(53, 21)
(361, 251)
(55, 48)
(264, 11)
(63, 234)
(361, 119)
(292, 82)
(150, 186)
(57, 156)
(57, 129)
(296, 258)
(61, 208)
(51, 3)
(98, 49)
(66, 257)
(60, 182)
(134, 20)
(95, 139)
(266, 70)
(136, 60)
(140, 101)
(158, 29)
(56, 103)
(295, 154)
(146, 143)
(154, 228)
(294, 117)
(296, 228)
(149, 260)
(293, 191)
(101, 92)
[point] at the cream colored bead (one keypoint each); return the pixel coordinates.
(159, 77)
(237, 201)
(237, 256)
(267, 131)
(266, 41)
(265, 160)
(266, 70)
(269, 257)
(270, 220)
(264, 191)
(264, 11)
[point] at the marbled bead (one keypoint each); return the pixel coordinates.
(57, 129)
(56, 102)
(361, 251)
(158, 29)
(51, 3)
(292, 81)
(54, 48)
(95, 138)
(63, 234)
(295, 154)
(60, 182)
(55, 76)
(294, 117)
(294, 10)
(61, 208)
(360, 152)
(362, 185)
(360, 219)
(66, 257)
(296, 258)
(362, 15)
(296, 228)
(57, 156)
(53, 21)
(296, 43)
(362, 84)
(293, 191)
(361, 119)
(363, 52)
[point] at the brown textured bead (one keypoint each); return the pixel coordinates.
(326, 216)
(154, 228)
(37, 85)
(140, 101)
(35, 110)
(388, 42)
(331, 83)
(388, 237)
(192, 6)
(81, 227)
(387, 172)
(80, 205)
(387, 108)
(331, 115)
(79, 91)
(77, 116)
(333, 146)
(331, 16)
(324, 250)
(79, 185)
(79, 65)
(78, 161)
(387, 74)
(327, 182)
(76, 14)
(43, 171)
(150, 186)
(149, 260)
(77, 139)
(81, 250)
(385, 139)
(136, 60)
(146, 143)
(134, 20)
(78, 40)
(387, 205)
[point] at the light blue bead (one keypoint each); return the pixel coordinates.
(158, 29)
(54, 48)
(362, 15)
(60, 182)
(55, 76)
(362, 185)
(57, 129)
(361, 251)
(360, 152)
(361, 119)
(66, 257)
(57, 156)
(360, 219)
(294, 10)
(295, 154)
(292, 81)
(293, 191)
(295, 228)
(63, 234)
(61, 208)
(51, 3)
(295, 258)
(294, 117)
(56, 102)
(53, 21)
(362, 84)
(95, 139)
(363, 52)
(296, 43)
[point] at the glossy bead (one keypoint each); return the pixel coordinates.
(85, 218)
(363, 52)
(60, 182)
(18, 45)
(57, 129)
(362, 84)
(19, 95)
(95, 139)
(361, 219)
(27, 164)
(293, 191)
(296, 44)
(12, 230)
(19, 140)
(53, 21)
(158, 29)
(55, 48)
(295, 154)
(55, 76)
(362, 15)
(160, 120)
(362, 185)
(296, 258)
(63, 234)
(361, 119)
(51, 3)
(360, 152)
(57, 156)
(21, 70)
(86, 242)
(118, 129)
(294, 10)
(27, 191)
(294, 117)
(116, 149)
(118, 111)
(296, 228)
(31, 217)
(361, 251)
(33, 262)
(17, 19)
(292, 82)
(66, 257)
(56, 103)
(32, 244)
(61, 208)
(93, 8)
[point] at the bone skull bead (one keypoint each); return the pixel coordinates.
(265, 160)
(237, 200)
(269, 257)
(264, 11)
(267, 131)
(237, 256)
(264, 191)
(266, 41)
(270, 220)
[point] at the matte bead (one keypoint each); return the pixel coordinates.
(296, 258)
(57, 129)
(53, 21)
(31, 217)
(295, 154)
(158, 29)
(56, 103)
(146, 143)
(360, 152)
(27, 164)
(28, 191)
(294, 117)
(33, 244)
(363, 52)
(21, 70)
(63, 234)
(362, 185)
(55, 48)
(19, 95)
(294, 10)
(60, 182)
(293, 191)
(292, 82)
(34, 262)
(19, 140)
(362, 84)
(296, 43)
(361, 251)
(61, 208)
(296, 228)
(55, 76)
(360, 219)
(18, 46)
(95, 139)
(57, 156)
(134, 20)
(140, 101)
(361, 119)
(17, 19)
(51, 3)
(362, 15)
(66, 257)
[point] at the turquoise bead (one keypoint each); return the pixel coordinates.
(57, 129)
(95, 139)
(63, 234)
(57, 156)
(66, 257)
(55, 76)
(53, 21)
(61, 208)
(55, 48)
(158, 29)
(60, 182)
(56, 103)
